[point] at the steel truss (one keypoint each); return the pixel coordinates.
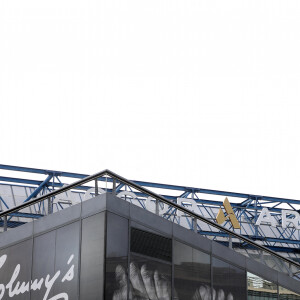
(205, 202)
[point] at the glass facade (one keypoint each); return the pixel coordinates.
(260, 288)
(116, 281)
(105, 257)
(149, 278)
(229, 281)
(152, 266)
(192, 276)
(285, 294)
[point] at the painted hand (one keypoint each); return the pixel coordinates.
(205, 292)
(150, 285)
(144, 284)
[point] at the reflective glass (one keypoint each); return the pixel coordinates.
(116, 257)
(229, 281)
(238, 282)
(260, 288)
(285, 294)
(149, 279)
(116, 284)
(191, 273)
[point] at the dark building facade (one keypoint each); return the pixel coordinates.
(107, 248)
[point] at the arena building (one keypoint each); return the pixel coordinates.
(106, 237)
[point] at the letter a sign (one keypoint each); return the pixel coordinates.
(221, 218)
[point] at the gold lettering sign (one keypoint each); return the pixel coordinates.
(221, 218)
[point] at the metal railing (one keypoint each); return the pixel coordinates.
(234, 240)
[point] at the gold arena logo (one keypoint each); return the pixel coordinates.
(221, 218)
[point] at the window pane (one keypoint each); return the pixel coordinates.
(260, 288)
(285, 294)
(191, 273)
(149, 278)
(229, 282)
(116, 258)
(238, 282)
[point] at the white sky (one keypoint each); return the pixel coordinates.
(198, 93)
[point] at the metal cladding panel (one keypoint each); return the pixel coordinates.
(92, 257)
(43, 267)
(47, 264)
(15, 262)
(67, 260)
(43, 261)
(117, 236)
(116, 257)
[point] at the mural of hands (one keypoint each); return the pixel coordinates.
(206, 293)
(145, 284)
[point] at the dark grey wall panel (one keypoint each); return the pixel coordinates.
(92, 257)
(43, 261)
(93, 206)
(57, 219)
(192, 276)
(67, 260)
(189, 236)
(228, 254)
(15, 263)
(17, 235)
(117, 236)
(157, 223)
(229, 282)
(116, 257)
(238, 282)
(221, 283)
(117, 206)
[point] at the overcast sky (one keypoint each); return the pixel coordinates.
(197, 93)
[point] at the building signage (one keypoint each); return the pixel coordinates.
(14, 287)
(288, 218)
(221, 218)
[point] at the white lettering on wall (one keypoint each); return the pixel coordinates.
(190, 204)
(15, 287)
(288, 217)
(286, 221)
(266, 217)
